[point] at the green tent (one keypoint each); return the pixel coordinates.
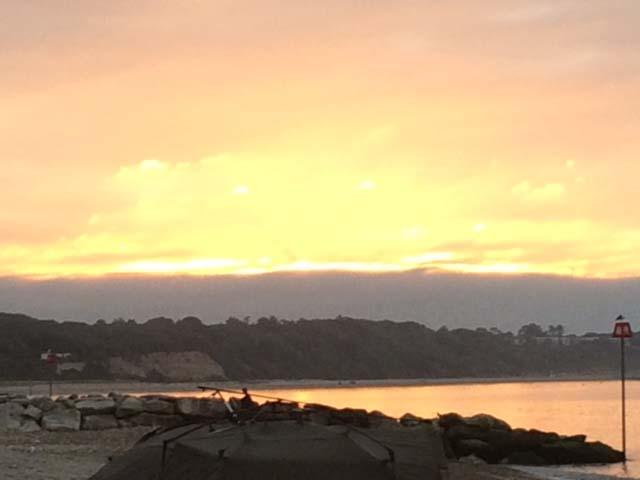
(282, 450)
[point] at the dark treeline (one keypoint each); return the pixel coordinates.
(340, 348)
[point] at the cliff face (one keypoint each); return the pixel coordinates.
(173, 366)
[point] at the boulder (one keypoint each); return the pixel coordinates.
(464, 448)
(319, 417)
(99, 422)
(350, 416)
(66, 402)
(117, 397)
(18, 398)
(96, 406)
(379, 419)
(33, 413)
(10, 416)
(156, 396)
(466, 432)
(61, 420)
(201, 407)
(502, 442)
(488, 422)
(152, 420)
(156, 405)
(410, 420)
(524, 458)
(43, 403)
(129, 406)
(528, 439)
(449, 420)
(565, 452)
(472, 460)
(29, 426)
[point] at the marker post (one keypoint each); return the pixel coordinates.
(622, 330)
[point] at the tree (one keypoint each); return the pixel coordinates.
(531, 330)
(555, 330)
(190, 322)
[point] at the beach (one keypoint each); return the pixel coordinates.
(78, 455)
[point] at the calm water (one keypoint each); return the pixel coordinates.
(592, 408)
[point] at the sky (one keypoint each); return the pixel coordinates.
(240, 137)
(453, 300)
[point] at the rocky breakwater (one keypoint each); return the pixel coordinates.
(488, 439)
(99, 412)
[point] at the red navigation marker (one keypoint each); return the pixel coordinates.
(622, 330)
(52, 358)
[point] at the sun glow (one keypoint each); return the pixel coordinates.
(379, 140)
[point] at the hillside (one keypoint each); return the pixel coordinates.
(340, 348)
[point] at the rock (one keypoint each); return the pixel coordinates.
(153, 420)
(319, 417)
(280, 411)
(472, 460)
(502, 442)
(566, 452)
(43, 403)
(167, 398)
(536, 437)
(464, 448)
(449, 420)
(99, 422)
(10, 416)
(410, 420)
(280, 407)
(33, 413)
(18, 398)
(350, 416)
(575, 438)
(379, 419)
(61, 419)
(156, 405)
(488, 422)
(29, 426)
(128, 407)
(201, 407)
(96, 406)
(66, 402)
(466, 432)
(524, 458)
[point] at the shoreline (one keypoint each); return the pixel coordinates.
(139, 387)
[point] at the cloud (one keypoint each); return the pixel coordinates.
(543, 193)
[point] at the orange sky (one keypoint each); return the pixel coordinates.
(256, 136)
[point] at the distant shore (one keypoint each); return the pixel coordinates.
(135, 387)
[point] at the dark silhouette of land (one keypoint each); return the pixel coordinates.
(271, 348)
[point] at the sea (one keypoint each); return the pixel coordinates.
(566, 407)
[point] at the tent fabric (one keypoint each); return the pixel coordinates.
(283, 450)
